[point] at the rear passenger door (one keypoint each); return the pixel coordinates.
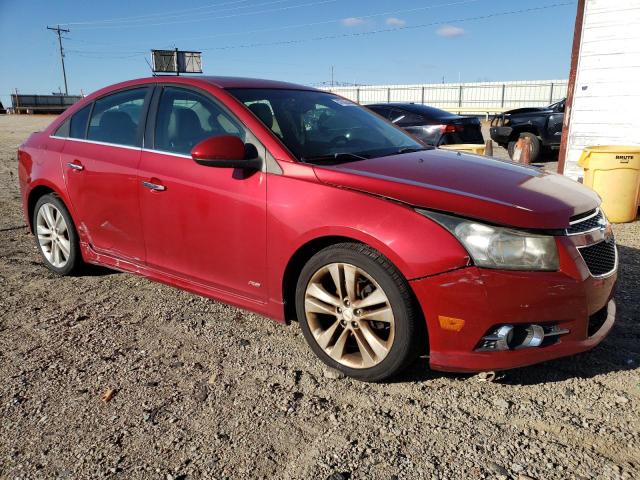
(100, 161)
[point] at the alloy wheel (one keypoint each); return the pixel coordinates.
(349, 315)
(53, 235)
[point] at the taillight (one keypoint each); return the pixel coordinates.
(451, 128)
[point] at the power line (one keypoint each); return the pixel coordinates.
(300, 25)
(165, 16)
(388, 30)
(148, 15)
(205, 18)
(59, 30)
(335, 20)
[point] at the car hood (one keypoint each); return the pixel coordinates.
(528, 110)
(468, 185)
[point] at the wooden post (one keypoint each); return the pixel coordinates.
(488, 149)
(575, 53)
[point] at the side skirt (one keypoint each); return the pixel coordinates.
(109, 261)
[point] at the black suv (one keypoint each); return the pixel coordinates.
(543, 126)
(430, 125)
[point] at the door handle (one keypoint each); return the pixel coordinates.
(154, 186)
(75, 166)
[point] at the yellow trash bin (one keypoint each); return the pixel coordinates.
(614, 172)
(478, 149)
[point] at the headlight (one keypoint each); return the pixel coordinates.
(500, 247)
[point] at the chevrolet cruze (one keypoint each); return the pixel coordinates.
(301, 205)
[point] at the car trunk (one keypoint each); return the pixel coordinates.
(465, 130)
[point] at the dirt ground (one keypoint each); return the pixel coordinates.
(204, 390)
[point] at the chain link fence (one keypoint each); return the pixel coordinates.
(480, 97)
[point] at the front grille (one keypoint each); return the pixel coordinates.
(586, 222)
(600, 257)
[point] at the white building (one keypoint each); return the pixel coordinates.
(605, 109)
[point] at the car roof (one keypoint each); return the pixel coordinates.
(417, 108)
(220, 82)
(244, 82)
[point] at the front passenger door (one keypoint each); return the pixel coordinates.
(203, 224)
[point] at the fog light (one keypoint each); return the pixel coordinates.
(505, 337)
(534, 338)
(510, 337)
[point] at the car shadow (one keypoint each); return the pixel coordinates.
(619, 351)
(90, 270)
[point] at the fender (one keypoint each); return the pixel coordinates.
(416, 245)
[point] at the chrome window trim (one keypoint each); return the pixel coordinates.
(580, 220)
(96, 142)
(615, 263)
(164, 152)
(575, 222)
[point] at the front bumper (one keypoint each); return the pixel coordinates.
(484, 298)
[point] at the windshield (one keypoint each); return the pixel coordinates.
(558, 106)
(322, 127)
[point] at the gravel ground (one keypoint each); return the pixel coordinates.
(203, 390)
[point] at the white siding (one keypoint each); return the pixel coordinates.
(606, 102)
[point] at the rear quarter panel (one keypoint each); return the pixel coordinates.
(39, 166)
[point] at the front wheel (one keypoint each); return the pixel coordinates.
(357, 313)
(56, 235)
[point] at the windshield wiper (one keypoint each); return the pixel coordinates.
(335, 157)
(410, 150)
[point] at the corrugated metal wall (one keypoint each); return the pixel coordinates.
(606, 103)
(491, 96)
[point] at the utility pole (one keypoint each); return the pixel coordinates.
(332, 75)
(59, 31)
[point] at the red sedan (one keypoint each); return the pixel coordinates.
(301, 205)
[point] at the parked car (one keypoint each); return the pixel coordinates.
(300, 205)
(543, 127)
(431, 126)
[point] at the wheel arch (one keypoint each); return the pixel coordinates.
(43, 188)
(528, 128)
(297, 262)
(312, 246)
(304, 253)
(34, 195)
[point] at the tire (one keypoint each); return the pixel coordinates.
(535, 146)
(398, 326)
(68, 259)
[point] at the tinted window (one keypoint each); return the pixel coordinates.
(382, 111)
(116, 117)
(402, 117)
(319, 126)
(78, 126)
(63, 130)
(185, 118)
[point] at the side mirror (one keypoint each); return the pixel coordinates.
(226, 151)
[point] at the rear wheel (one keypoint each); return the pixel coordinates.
(357, 313)
(535, 146)
(56, 235)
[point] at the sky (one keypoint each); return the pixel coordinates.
(301, 41)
